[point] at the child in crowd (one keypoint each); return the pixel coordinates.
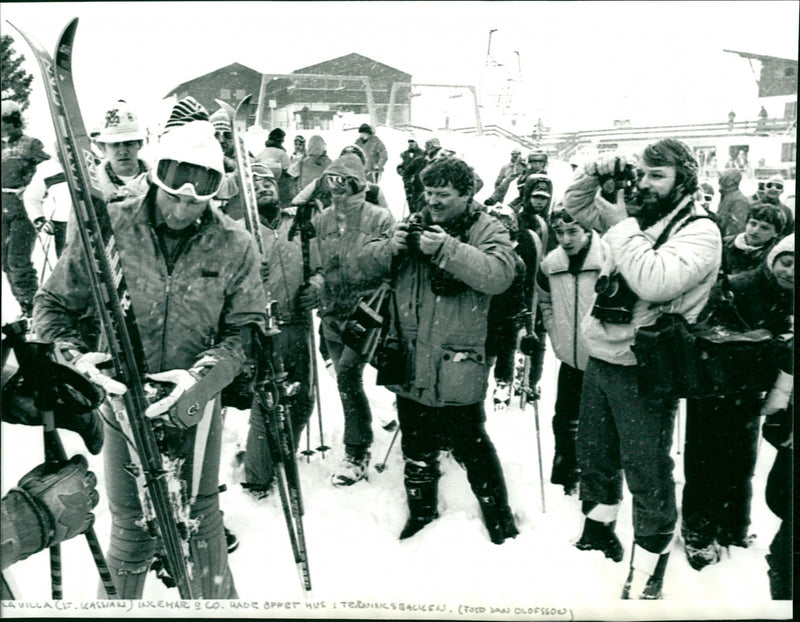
(565, 285)
(747, 250)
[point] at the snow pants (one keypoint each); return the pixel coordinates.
(292, 343)
(350, 380)
(565, 419)
(621, 430)
(132, 550)
(718, 464)
(19, 236)
(424, 427)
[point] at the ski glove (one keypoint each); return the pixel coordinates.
(529, 344)
(181, 378)
(42, 224)
(62, 500)
(87, 364)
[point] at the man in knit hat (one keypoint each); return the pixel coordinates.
(342, 230)
(668, 261)
(374, 151)
(194, 278)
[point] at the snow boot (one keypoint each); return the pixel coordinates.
(646, 577)
(498, 518)
(598, 536)
(353, 468)
(422, 501)
(701, 556)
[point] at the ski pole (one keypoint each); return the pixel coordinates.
(44, 242)
(381, 467)
(312, 346)
(539, 450)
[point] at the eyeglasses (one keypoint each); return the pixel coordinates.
(224, 135)
(186, 178)
(774, 184)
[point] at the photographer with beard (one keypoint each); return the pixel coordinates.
(665, 260)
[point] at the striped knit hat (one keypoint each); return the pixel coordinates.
(221, 121)
(187, 109)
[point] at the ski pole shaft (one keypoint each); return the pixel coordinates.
(539, 451)
(382, 466)
(312, 346)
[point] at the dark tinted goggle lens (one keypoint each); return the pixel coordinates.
(775, 185)
(225, 135)
(708, 197)
(336, 181)
(175, 175)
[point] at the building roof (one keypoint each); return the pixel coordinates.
(347, 61)
(761, 57)
(226, 70)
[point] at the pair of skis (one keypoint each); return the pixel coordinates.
(269, 379)
(165, 516)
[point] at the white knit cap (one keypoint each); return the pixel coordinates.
(193, 142)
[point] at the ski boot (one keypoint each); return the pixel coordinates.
(353, 468)
(599, 536)
(646, 577)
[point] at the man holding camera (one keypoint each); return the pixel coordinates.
(665, 260)
(445, 266)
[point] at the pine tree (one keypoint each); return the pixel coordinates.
(15, 81)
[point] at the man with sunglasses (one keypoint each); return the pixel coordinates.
(445, 266)
(342, 230)
(292, 301)
(772, 194)
(194, 279)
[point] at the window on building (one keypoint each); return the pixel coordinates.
(788, 72)
(225, 94)
(790, 110)
(789, 152)
(240, 93)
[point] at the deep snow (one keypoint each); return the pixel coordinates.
(450, 569)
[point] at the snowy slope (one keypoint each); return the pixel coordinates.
(450, 569)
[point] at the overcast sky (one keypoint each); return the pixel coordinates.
(583, 63)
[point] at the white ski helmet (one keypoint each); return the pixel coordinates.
(191, 143)
(120, 125)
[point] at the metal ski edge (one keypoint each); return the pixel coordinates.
(98, 262)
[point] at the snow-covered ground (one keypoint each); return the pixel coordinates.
(450, 569)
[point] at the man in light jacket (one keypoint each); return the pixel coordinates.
(619, 427)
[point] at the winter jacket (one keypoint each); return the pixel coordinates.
(285, 260)
(20, 156)
(406, 158)
(374, 152)
(114, 187)
(565, 299)
(732, 212)
(675, 278)
(446, 334)
(314, 163)
(509, 171)
(317, 192)
(215, 287)
(341, 234)
(47, 196)
(738, 256)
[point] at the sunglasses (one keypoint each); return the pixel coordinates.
(336, 182)
(224, 135)
(774, 184)
(189, 179)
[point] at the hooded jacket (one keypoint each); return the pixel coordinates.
(674, 278)
(374, 152)
(568, 299)
(342, 232)
(315, 161)
(445, 334)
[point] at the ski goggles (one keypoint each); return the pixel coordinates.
(774, 184)
(336, 182)
(188, 179)
(225, 135)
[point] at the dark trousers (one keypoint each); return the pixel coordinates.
(59, 236)
(292, 343)
(350, 380)
(423, 429)
(718, 464)
(19, 236)
(623, 430)
(567, 410)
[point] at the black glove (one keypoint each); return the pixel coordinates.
(529, 344)
(62, 500)
(490, 201)
(264, 270)
(308, 297)
(42, 224)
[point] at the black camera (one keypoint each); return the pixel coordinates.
(615, 299)
(391, 361)
(415, 228)
(624, 178)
